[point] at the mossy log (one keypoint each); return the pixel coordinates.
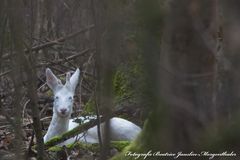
(72, 133)
(79, 129)
(95, 147)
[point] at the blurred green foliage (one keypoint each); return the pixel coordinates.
(89, 108)
(128, 80)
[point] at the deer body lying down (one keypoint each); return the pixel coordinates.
(120, 129)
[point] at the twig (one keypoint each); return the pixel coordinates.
(86, 88)
(31, 143)
(25, 125)
(5, 73)
(51, 43)
(66, 59)
(56, 62)
(24, 107)
(83, 76)
(57, 41)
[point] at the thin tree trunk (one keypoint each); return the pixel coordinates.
(24, 65)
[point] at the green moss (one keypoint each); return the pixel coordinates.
(53, 140)
(133, 147)
(49, 93)
(154, 136)
(62, 78)
(85, 146)
(223, 137)
(89, 107)
(128, 80)
(55, 149)
(119, 145)
(121, 85)
(90, 147)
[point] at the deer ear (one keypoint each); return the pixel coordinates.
(74, 79)
(52, 81)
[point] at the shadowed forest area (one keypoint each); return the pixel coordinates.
(169, 66)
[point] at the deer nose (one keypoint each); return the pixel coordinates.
(63, 110)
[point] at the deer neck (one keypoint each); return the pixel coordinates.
(57, 126)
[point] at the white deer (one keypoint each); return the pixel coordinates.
(120, 129)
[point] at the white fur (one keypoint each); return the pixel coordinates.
(120, 129)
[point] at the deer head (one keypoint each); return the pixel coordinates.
(63, 94)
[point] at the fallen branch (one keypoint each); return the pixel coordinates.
(5, 73)
(66, 59)
(25, 125)
(59, 40)
(79, 129)
(51, 43)
(72, 133)
(56, 62)
(95, 147)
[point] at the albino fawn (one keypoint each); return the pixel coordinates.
(120, 129)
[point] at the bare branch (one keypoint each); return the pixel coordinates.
(57, 41)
